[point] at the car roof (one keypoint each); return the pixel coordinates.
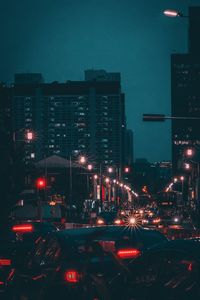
(115, 232)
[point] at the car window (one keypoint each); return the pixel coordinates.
(167, 275)
(52, 252)
(39, 251)
(180, 275)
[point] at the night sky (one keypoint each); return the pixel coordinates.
(62, 38)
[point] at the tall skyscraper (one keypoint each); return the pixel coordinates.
(86, 117)
(129, 156)
(185, 94)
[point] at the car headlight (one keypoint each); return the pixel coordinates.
(176, 220)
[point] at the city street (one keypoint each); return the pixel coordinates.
(100, 150)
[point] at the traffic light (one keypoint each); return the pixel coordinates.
(40, 183)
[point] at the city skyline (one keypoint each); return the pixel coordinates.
(62, 39)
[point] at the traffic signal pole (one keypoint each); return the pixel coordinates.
(40, 185)
(39, 205)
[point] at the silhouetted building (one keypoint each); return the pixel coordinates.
(153, 176)
(76, 117)
(5, 110)
(129, 158)
(101, 75)
(185, 100)
(194, 30)
(28, 78)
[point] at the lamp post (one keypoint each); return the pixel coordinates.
(100, 184)
(182, 178)
(89, 168)
(194, 177)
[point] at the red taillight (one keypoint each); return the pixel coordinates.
(72, 276)
(23, 228)
(100, 221)
(118, 222)
(5, 262)
(128, 253)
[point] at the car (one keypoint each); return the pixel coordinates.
(109, 218)
(6, 269)
(168, 271)
(16, 242)
(126, 242)
(68, 266)
(152, 221)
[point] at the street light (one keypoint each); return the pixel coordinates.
(172, 13)
(182, 178)
(82, 160)
(189, 152)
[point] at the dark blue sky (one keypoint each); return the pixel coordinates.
(62, 38)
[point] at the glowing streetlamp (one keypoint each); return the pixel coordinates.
(89, 167)
(189, 152)
(187, 166)
(110, 170)
(29, 135)
(172, 13)
(82, 160)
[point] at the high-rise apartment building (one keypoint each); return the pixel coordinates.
(101, 75)
(185, 83)
(5, 110)
(86, 117)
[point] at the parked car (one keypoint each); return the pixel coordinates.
(169, 271)
(67, 266)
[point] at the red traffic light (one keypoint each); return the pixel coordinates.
(40, 183)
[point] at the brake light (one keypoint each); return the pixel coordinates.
(118, 221)
(156, 220)
(72, 276)
(100, 221)
(5, 262)
(23, 228)
(128, 253)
